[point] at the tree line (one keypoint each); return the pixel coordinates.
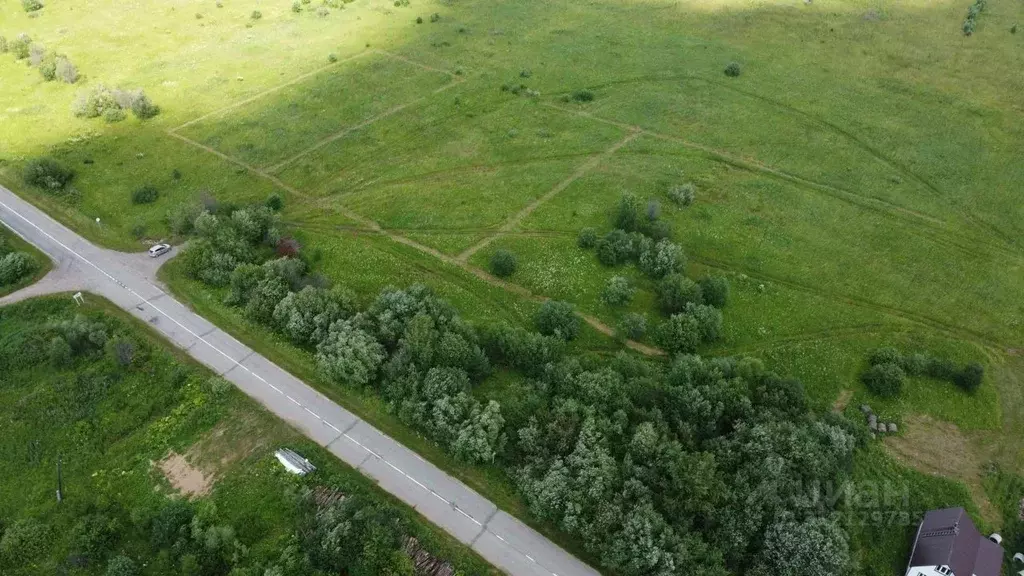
(694, 466)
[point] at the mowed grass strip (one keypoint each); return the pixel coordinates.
(269, 130)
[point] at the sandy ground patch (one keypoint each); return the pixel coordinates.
(185, 478)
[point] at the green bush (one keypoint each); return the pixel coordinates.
(3, 45)
(146, 194)
(435, 17)
(970, 377)
(48, 174)
(503, 263)
(24, 541)
(582, 96)
(14, 266)
(181, 217)
(617, 292)
(682, 194)
(65, 70)
(274, 202)
(714, 291)
(256, 15)
(36, 53)
(675, 291)
(20, 46)
(587, 238)
(629, 213)
(661, 259)
(681, 333)
(885, 355)
(633, 326)
(142, 107)
(113, 115)
(94, 102)
(557, 319)
(296, 7)
(31, 5)
(616, 247)
(885, 380)
(121, 565)
(732, 70)
(48, 67)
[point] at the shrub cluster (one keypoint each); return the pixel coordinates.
(698, 466)
(682, 194)
(968, 377)
(503, 263)
(20, 46)
(558, 319)
(682, 470)
(14, 265)
(146, 194)
(885, 379)
(48, 174)
(112, 104)
(31, 5)
(618, 291)
(408, 345)
(732, 70)
(972, 16)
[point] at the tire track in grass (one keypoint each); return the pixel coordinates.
(959, 332)
(272, 179)
(359, 126)
(940, 233)
(811, 336)
(582, 170)
(517, 289)
(993, 231)
(268, 91)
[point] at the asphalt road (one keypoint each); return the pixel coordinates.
(129, 280)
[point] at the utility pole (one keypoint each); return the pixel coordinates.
(60, 481)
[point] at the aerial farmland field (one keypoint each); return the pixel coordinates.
(852, 169)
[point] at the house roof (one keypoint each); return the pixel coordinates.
(949, 537)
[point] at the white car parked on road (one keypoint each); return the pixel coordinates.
(159, 250)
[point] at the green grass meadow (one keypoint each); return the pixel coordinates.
(859, 182)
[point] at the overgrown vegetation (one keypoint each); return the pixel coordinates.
(626, 456)
(47, 174)
(108, 401)
(971, 21)
(888, 367)
(15, 265)
(112, 103)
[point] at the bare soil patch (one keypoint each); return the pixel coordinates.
(939, 448)
(185, 478)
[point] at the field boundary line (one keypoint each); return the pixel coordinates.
(580, 171)
(362, 124)
(271, 178)
(859, 142)
(268, 91)
(959, 332)
(408, 60)
(865, 202)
